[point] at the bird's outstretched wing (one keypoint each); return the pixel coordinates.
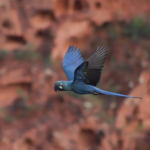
(71, 61)
(90, 70)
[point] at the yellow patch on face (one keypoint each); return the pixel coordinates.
(60, 87)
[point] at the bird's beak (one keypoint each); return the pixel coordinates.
(55, 88)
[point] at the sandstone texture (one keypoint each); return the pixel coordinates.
(34, 36)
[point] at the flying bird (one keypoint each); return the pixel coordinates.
(83, 75)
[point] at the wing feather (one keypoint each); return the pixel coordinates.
(92, 67)
(92, 70)
(71, 61)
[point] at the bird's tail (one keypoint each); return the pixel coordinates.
(114, 94)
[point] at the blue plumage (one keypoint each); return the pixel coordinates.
(83, 75)
(71, 61)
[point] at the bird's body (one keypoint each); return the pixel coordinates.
(82, 88)
(84, 75)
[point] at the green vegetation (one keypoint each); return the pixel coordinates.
(9, 118)
(137, 28)
(139, 127)
(114, 88)
(26, 55)
(3, 54)
(23, 96)
(112, 31)
(76, 95)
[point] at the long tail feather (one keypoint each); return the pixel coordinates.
(114, 94)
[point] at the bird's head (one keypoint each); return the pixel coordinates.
(58, 86)
(62, 86)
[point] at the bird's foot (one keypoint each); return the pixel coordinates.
(95, 93)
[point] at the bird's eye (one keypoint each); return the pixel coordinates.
(60, 87)
(60, 83)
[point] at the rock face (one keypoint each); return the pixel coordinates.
(23, 22)
(32, 115)
(133, 116)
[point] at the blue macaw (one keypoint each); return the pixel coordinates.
(84, 75)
